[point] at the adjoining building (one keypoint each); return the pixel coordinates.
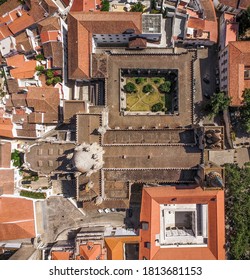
(182, 223)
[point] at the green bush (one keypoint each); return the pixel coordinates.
(49, 74)
(105, 6)
(138, 7)
(40, 68)
(156, 80)
(139, 80)
(157, 107)
(15, 156)
(35, 195)
(148, 88)
(165, 87)
(49, 82)
(56, 80)
(130, 87)
(39, 57)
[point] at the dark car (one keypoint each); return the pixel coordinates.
(206, 80)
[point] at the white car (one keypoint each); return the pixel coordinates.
(100, 211)
(106, 210)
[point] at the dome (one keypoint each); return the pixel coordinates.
(87, 158)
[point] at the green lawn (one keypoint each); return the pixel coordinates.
(140, 101)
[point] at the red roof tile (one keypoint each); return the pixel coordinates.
(5, 154)
(6, 127)
(21, 23)
(58, 255)
(8, 6)
(16, 224)
(81, 28)
(85, 5)
(152, 197)
(50, 36)
(239, 57)
(4, 32)
(7, 181)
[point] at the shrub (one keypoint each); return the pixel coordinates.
(157, 107)
(15, 156)
(138, 7)
(139, 80)
(49, 82)
(165, 87)
(148, 88)
(105, 6)
(156, 80)
(49, 74)
(35, 195)
(39, 68)
(39, 57)
(56, 80)
(130, 87)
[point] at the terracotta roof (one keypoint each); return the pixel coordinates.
(85, 6)
(49, 6)
(5, 154)
(239, 57)
(91, 251)
(137, 43)
(4, 32)
(19, 99)
(44, 100)
(19, 118)
(50, 23)
(23, 42)
(71, 108)
(54, 50)
(57, 255)
(21, 23)
(6, 182)
(48, 36)
(6, 127)
(231, 28)
(115, 246)
(81, 28)
(152, 197)
(231, 3)
(36, 10)
(244, 4)
(23, 68)
(8, 6)
(16, 224)
(9, 17)
(12, 85)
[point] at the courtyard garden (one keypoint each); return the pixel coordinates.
(148, 94)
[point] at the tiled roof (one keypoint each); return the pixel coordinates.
(58, 255)
(138, 43)
(36, 10)
(9, 6)
(19, 99)
(50, 23)
(244, 4)
(23, 68)
(239, 57)
(231, 3)
(21, 23)
(4, 32)
(49, 36)
(54, 50)
(152, 197)
(28, 130)
(81, 28)
(44, 100)
(231, 28)
(6, 127)
(91, 251)
(5, 154)
(12, 85)
(16, 218)
(23, 42)
(6, 182)
(115, 246)
(85, 6)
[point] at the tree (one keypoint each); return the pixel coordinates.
(244, 21)
(40, 68)
(49, 82)
(105, 6)
(245, 110)
(139, 80)
(219, 102)
(130, 87)
(138, 7)
(49, 74)
(16, 158)
(165, 87)
(237, 206)
(56, 80)
(157, 107)
(148, 88)
(39, 57)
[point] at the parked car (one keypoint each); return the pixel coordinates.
(207, 95)
(206, 80)
(112, 209)
(106, 210)
(100, 211)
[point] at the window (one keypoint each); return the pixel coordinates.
(147, 245)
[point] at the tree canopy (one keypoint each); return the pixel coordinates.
(130, 87)
(105, 6)
(245, 110)
(219, 102)
(138, 7)
(237, 206)
(148, 88)
(157, 107)
(165, 87)
(244, 21)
